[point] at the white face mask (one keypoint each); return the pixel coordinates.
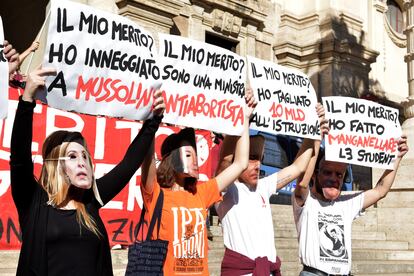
(184, 161)
(77, 166)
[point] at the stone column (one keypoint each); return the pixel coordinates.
(197, 30)
(408, 125)
(409, 32)
(397, 208)
(250, 41)
(377, 42)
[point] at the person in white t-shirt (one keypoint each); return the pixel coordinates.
(324, 217)
(245, 211)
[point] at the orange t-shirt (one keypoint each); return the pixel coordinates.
(183, 224)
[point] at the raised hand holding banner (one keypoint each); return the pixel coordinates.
(106, 63)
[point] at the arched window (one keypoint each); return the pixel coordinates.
(395, 16)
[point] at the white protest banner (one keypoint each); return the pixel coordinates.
(203, 85)
(286, 100)
(4, 76)
(105, 62)
(361, 132)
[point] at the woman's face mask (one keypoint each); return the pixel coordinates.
(77, 169)
(184, 161)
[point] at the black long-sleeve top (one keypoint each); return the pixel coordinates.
(31, 199)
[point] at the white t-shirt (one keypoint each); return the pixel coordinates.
(246, 218)
(324, 231)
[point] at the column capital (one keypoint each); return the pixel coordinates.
(409, 57)
(380, 6)
(408, 105)
(407, 4)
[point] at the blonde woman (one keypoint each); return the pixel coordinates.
(62, 232)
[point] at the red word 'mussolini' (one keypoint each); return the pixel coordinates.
(102, 89)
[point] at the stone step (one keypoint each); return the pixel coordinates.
(119, 271)
(285, 243)
(284, 218)
(214, 220)
(283, 225)
(8, 260)
(291, 268)
(217, 239)
(288, 254)
(291, 273)
(8, 271)
(214, 269)
(385, 255)
(364, 228)
(382, 267)
(368, 235)
(379, 245)
(216, 244)
(119, 257)
(215, 255)
(398, 200)
(382, 274)
(286, 233)
(216, 230)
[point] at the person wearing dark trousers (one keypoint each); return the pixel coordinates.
(324, 217)
(62, 232)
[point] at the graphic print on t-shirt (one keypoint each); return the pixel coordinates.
(188, 243)
(332, 247)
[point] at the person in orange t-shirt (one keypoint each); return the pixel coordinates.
(183, 221)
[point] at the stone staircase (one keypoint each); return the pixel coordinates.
(374, 252)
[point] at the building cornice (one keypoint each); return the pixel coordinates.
(157, 12)
(252, 12)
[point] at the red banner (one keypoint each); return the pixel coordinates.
(108, 139)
